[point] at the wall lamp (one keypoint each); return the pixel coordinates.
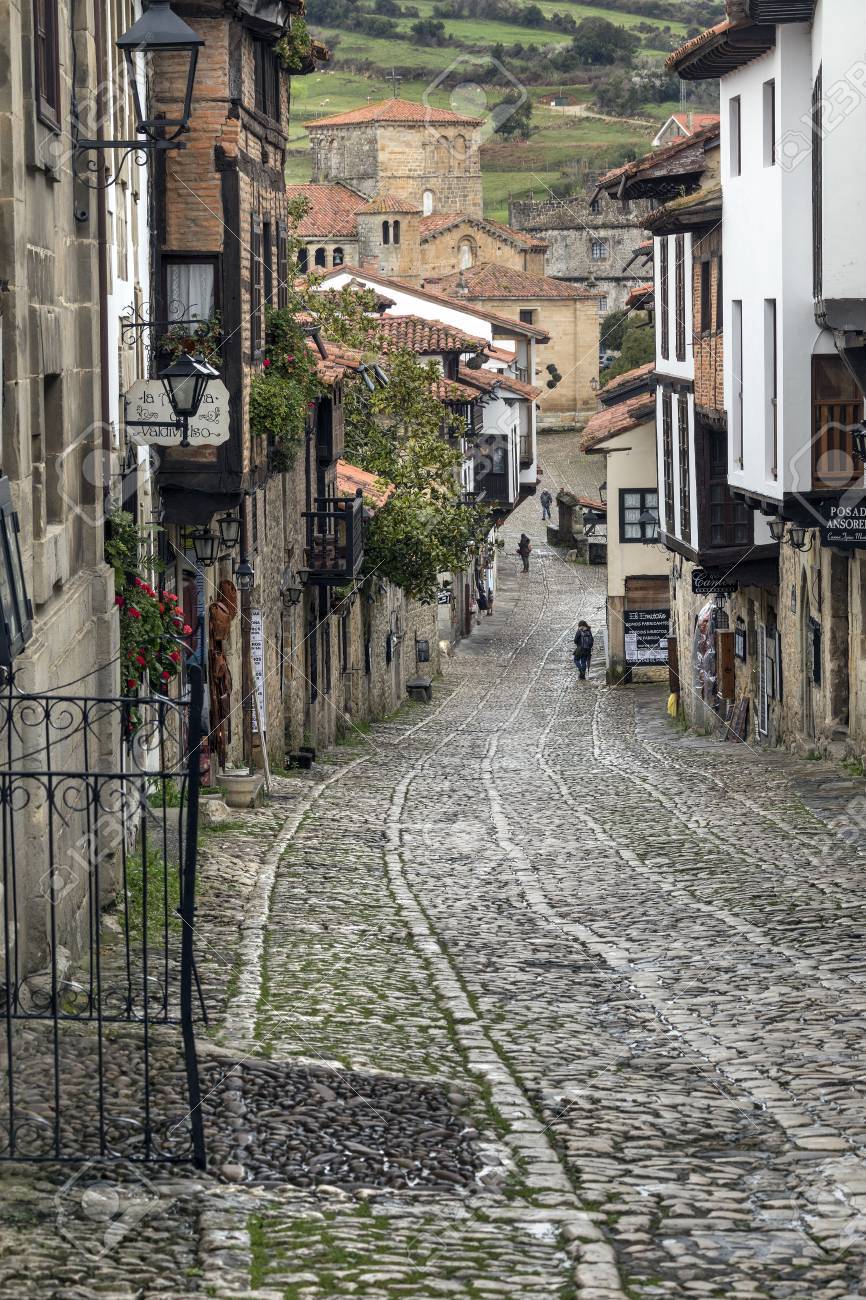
(796, 534)
(152, 48)
(245, 575)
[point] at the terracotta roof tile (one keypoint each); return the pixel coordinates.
(652, 160)
(427, 336)
(692, 122)
(729, 45)
(388, 202)
(331, 209)
(338, 360)
(438, 222)
(349, 478)
(491, 280)
(621, 418)
(449, 390)
(403, 111)
(431, 294)
(630, 377)
(640, 294)
(487, 380)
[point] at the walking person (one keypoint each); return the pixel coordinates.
(524, 548)
(546, 500)
(583, 643)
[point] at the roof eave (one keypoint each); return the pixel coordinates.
(722, 52)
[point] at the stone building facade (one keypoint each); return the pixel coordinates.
(416, 151)
(591, 239)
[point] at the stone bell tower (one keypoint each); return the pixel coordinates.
(389, 236)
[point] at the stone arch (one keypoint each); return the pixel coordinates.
(321, 257)
(426, 203)
(467, 253)
(386, 232)
(337, 257)
(395, 232)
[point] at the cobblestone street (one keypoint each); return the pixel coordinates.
(532, 996)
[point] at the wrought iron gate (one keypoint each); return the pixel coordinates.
(99, 875)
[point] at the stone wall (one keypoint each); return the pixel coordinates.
(406, 160)
(708, 340)
(571, 226)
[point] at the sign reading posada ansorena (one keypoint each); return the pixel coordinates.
(842, 522)
(646, 635)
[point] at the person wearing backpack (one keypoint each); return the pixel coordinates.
(583, 643)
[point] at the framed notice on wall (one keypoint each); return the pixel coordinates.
(646, 636)
(257, 654)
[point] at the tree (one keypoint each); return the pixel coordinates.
(599, 42)
(638, 347)
(429, 31)
(617, 94)
(399, 432)
(613, 326)
(514, 118)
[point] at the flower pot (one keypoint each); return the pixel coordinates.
(241, 789)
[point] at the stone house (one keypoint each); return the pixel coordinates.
(429, 155)
(682, 125)
(568, 312)
(591, 239)
(638, 594)
(74, 265)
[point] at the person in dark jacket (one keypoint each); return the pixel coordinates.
(583, 643)
(546, 500)
(524, 547)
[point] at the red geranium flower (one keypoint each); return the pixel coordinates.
(140, 659)
(169, 595)
(161, 608)
(165, 674)
(187, 630)
(133, 612)
(131, 683)
(118, 600)
(174, 656)
(266, 362)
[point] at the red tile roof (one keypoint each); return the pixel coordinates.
(729, 45)
(630, 377)
(692, 122)
(331, 209)
(403, 111)
(640, 294)
(490, 280)
(658, 156)
(487, 380)
(350, 478)
(621, 418)
(427, 336)
(336, 362)
(449, 390)
(438, 222)
(388, 202)
(429, 294)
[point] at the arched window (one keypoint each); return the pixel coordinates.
(466, 254)
(426, 203)
(460, 150)
(386, 232)
(337, 257)
(321, 257)
(396, 236)
(302, 259)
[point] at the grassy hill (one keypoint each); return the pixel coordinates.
(474, 58)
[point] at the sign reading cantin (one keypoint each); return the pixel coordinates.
(646, 635)
(147, 404)
(709, 582)
(843, 522)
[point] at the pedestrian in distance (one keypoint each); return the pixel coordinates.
(524, 548)
(583, 643)
(546, 500)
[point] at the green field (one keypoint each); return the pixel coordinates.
(560, 149)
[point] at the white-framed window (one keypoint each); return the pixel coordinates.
(602, 305)
(426, 203)
(735, 141)
(600, 250)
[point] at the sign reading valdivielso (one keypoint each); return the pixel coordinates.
(147, 403)
(843, 521)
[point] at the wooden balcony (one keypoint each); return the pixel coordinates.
(334, 548)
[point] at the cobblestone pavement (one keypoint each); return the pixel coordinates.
(533, 995)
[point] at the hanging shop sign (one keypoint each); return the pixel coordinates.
(646, 636)
(147, 404)
(257, 654)
(843, 522)
(712, 582)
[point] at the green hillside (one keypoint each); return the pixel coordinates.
(605, 62)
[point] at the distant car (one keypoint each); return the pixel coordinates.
(607, 358)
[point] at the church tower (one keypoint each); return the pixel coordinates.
(389, 236)
(430, 156)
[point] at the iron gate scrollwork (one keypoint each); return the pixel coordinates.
(99, 800)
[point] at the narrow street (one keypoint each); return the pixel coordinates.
(597, 990)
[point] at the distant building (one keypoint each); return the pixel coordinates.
(591, 240)
(680, 126)
(415, 151)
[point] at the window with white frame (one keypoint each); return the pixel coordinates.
(600, 250)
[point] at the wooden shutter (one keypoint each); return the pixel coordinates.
(46, 52)
(255, 284)
(282, 265)
(763, 700)
(685, 476)
(668, 461)
(664, 276)
(680, 305)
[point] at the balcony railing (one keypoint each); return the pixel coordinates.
(526, 456)
(335, 539)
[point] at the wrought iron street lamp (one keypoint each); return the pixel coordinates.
(291, 593)
(777, 529)
(797, 538)
(858, 432)
(230, 530)
(185, 382)
(206, 546)
(157, 47)
(245, 577)
(649, 526)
